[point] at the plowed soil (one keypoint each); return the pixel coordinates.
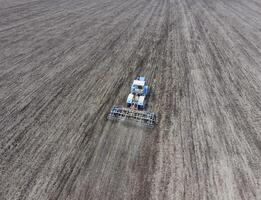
(65, 63)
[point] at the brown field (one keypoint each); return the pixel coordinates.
(65, 63)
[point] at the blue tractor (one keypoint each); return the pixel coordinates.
(136, 105)
(139, 91)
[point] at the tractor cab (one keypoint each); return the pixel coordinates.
(139, 86)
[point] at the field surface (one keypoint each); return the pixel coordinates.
(65, 63)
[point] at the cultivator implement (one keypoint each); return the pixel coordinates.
(143, 117)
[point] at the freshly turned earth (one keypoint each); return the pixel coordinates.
(65, 63)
